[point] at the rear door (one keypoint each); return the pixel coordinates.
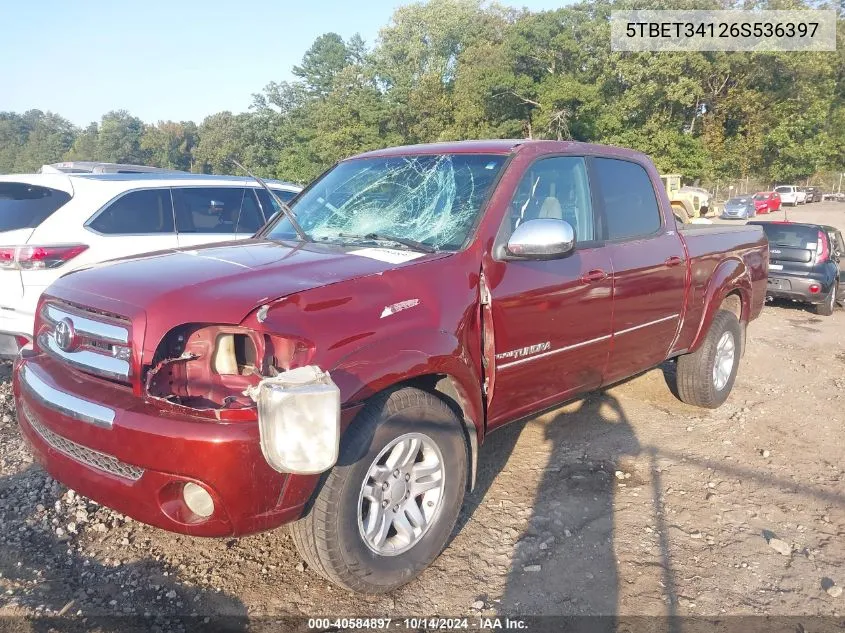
(838, 254)
(23, 206)
(649, 267)
(215, 214)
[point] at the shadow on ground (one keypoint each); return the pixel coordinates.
(50, 585)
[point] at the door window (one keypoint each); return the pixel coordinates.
(556, 188)
(630, 205)
(144, 212)
(207, 209)
(251, 219)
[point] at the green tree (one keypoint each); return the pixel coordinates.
(49, 137)
(322, 62)
(119, 138)
(85, 147)
(170, 144)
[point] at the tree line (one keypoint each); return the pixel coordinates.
(462, 69)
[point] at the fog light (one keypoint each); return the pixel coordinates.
(814, 288)
(198, 500)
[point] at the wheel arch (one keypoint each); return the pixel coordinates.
(436, 363)
(729, 289)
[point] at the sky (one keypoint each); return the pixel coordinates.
(178, 60)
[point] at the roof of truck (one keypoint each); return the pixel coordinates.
(497, 146)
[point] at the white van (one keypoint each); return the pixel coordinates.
(51, 223)
(791, 194)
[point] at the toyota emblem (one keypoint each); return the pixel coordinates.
(65, 335)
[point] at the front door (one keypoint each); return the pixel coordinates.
(551, 319)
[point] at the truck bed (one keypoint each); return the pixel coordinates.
(717, 251)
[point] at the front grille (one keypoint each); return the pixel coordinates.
(79, 453)
(94, 342)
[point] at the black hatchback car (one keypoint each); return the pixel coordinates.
(814, 194)
(804, 264)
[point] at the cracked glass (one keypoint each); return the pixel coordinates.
(431, 199)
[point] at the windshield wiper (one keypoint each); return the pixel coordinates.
(383, 237)
(291, 216)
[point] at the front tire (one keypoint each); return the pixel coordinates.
(707, 375)
(827, 307)
(370, 529)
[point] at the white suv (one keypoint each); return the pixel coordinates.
(790, 194)
(53, 223)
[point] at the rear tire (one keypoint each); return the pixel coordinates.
(826, 307)
(339, 538)
(706, 376)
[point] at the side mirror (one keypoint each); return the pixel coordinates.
(545, 238)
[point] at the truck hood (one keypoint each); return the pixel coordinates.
(222, 283)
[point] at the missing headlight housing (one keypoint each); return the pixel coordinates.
(299, 420)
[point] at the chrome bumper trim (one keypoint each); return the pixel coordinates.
(64, 403)
(89, 327)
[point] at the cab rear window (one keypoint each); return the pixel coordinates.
(25, 206)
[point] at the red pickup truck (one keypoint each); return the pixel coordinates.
(339, 370)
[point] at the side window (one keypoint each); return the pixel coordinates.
(556, 188)
(267, 202)
(251, 218)
(630, 205)
(137, 213)
(207, 209)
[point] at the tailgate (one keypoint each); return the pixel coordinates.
(794, 260)
(792, 248)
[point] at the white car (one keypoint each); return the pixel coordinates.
(53, 223)
(791, 194)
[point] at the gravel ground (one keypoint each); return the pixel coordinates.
(627, 502)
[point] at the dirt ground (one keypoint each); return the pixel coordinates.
(627, 502)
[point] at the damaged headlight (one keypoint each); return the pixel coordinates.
(299, 420)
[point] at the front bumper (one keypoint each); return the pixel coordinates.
(105, 443)
(796, 288)
(735, 215)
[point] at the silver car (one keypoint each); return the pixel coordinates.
(739, 208)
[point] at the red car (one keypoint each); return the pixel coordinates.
(766, 201)
(340, 369)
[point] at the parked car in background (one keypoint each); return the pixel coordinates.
(804, 264)
(739, 208)
(812, 194)
(791, 194)
(339, 371)
(766, 201)
(53, 223)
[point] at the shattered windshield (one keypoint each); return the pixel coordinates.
(433, 199)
